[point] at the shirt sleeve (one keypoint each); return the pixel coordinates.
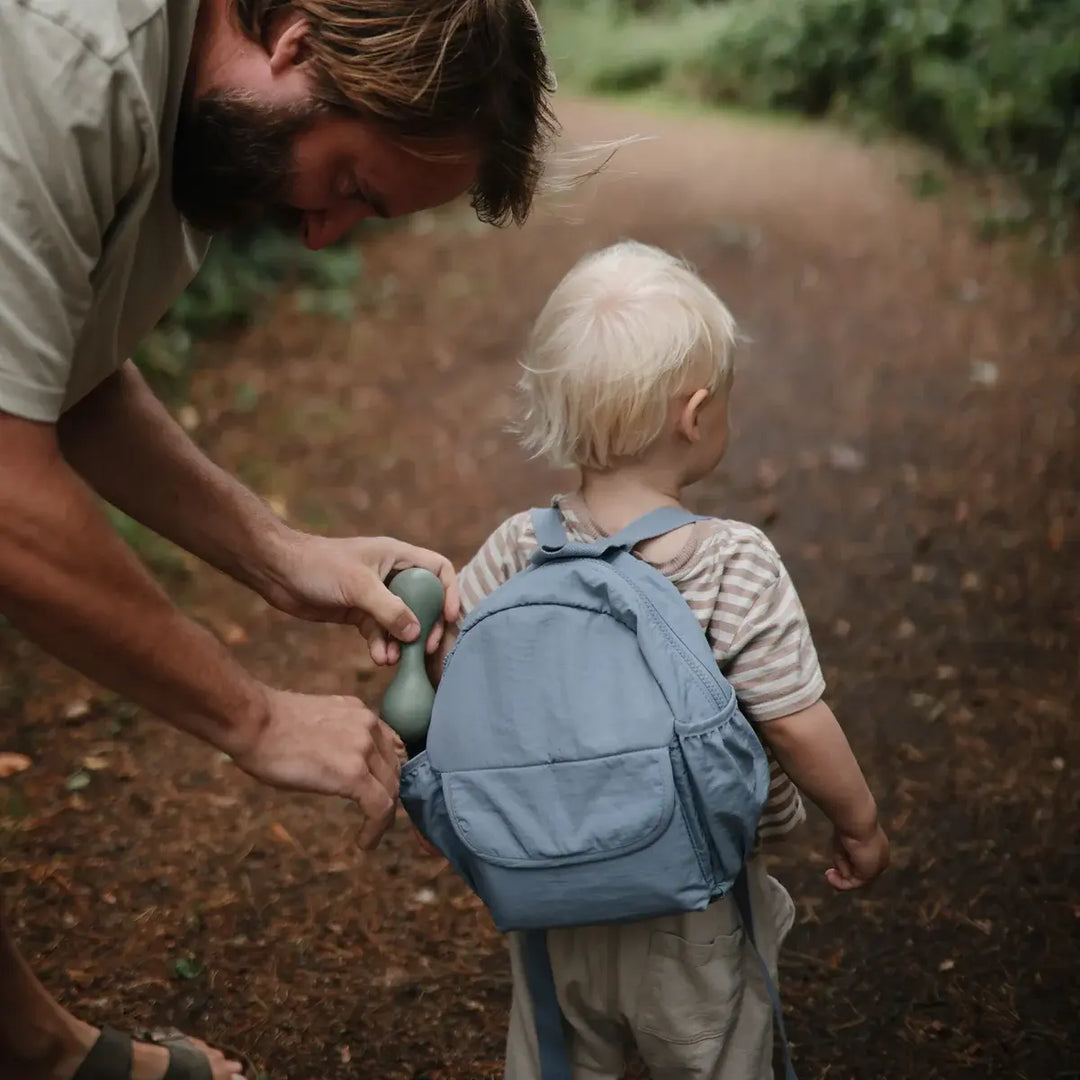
(770, 659)
(67, 137)
(506, 552)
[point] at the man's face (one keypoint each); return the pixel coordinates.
(316, 171)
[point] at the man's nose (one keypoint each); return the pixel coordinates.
(326, 227)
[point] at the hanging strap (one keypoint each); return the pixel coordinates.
(740, 892)
(547, 1016)
(552, 538)
(550, 1030)
(549, 528)
(655, 523)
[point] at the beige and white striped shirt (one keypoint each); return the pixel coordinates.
(733, 580)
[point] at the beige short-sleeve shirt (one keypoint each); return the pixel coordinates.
(92, 249)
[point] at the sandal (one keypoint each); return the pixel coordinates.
(111, 1058)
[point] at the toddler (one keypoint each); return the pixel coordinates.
(627, 376)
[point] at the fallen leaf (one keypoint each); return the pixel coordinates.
(767, 474)
(846, 458)
(10, 764)
(984, 373)
(905, 630)
(77, 781)
(946, 965)
(346, 1055)
(95, 763)
(283, 836)
(76, 710)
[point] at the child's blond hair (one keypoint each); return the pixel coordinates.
(624, 332)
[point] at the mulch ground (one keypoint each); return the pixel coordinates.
(906, 432)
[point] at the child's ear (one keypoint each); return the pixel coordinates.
(689, 421)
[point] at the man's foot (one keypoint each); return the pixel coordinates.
(149, 1062)
(40, 1040)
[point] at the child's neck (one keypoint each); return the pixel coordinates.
(616, 497)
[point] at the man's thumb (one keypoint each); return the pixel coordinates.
(392, 614)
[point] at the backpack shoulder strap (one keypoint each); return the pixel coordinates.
(655, 523)
(740, 892)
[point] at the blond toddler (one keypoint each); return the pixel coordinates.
(627, 377)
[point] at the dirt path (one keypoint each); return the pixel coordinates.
(906, 430)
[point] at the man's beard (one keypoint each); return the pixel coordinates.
(233, 160)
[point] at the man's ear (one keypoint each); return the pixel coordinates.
(688, 423)
(287, 43)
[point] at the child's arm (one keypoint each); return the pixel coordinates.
(813, 751)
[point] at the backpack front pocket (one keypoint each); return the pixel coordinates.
(532, 833)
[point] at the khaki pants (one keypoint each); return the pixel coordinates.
(687, 990)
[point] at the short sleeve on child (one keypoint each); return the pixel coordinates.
(759, 630)
(505, 553)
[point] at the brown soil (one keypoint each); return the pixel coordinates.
(906, 430)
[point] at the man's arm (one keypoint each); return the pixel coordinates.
(130, 450)
(123, 441)
(71, 585)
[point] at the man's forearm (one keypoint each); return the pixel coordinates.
(124, 443)
(72, 586)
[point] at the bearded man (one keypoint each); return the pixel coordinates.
(132, 130)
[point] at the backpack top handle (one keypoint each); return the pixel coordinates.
(554, 543)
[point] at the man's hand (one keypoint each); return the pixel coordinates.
(328, 746)
(858, 859)
(342, 580)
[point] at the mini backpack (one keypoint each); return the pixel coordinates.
(586, 760)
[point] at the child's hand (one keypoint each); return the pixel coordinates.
(435, 660)
(859, 859)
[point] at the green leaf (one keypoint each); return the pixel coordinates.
(187, 968)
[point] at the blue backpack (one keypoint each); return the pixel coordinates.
(586, 761)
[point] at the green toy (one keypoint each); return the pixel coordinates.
(407, 703)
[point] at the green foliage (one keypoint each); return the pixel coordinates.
(995, 84)
(240, 274)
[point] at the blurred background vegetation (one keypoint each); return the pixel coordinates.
(993, 84)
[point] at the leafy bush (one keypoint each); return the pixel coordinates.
(240, 273)
(995, 84)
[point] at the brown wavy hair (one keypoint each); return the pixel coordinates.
(428, 70)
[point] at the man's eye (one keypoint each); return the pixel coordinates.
(347, 187)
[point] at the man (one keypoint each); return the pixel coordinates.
(131, 130)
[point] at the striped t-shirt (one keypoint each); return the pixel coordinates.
(733, 580)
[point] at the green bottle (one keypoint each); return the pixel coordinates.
(407, 703)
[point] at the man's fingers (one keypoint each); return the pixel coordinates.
(383, 650)
(371, 832)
